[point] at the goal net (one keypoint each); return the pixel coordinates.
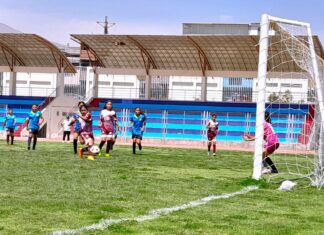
(290, 89)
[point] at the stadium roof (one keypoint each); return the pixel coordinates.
(179, 55)
(31, 53)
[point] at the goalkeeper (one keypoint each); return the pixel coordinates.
(271, 145)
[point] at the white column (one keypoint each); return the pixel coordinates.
(147, 87)
(203, 88)
(13, 83)
(95, 88)
(262, 76)
(320, 99)
(59, 84)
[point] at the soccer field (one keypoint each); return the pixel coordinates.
(50, 189)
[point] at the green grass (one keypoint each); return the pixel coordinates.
(50, 189)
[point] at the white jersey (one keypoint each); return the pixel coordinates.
(213, 126)
(66, 125)
(107, 119)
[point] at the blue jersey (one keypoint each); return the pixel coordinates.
(34, 119)
(77, 125)
(138, 123)
(10, 121)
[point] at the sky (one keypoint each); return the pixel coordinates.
(57, 19)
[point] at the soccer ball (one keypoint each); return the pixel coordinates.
(94, 149)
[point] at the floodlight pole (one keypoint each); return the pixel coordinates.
(262, 76)
(106, 25)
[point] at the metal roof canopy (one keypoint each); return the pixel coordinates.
(32, 54)
(228, 55)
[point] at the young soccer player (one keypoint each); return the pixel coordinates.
(108, 119)
(66, 129)
(212, 127)
(138, 123)
(34, 120)
(10, 124)
(115, 136)
(77, 127)
(85, 119)
(271, 145)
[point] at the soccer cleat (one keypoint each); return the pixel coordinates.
(80, 152)
(107, 155)
(28, 148)
(90, 158)
(214, 154)
(266, 171)
(99, 154)
(208, 153)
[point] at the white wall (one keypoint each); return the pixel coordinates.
(298, 88)
(189, 88)
(31, 84)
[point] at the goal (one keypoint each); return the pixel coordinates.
(290, 88)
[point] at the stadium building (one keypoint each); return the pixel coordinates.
(215, 64)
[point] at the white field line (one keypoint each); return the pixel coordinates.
(153, 214)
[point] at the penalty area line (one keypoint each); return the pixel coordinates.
(154, 214)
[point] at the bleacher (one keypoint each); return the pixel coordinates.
(21, 106)
(187, 120)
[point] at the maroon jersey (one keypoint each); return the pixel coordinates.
(86, 123)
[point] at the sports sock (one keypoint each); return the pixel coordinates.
(134, 147)
(7, 139)
(209, 145)
(75, 146)
(140, 146)
(271, 164)
(34, 143)
(112, 145)
(12, 139)
(108, 147)
(264, 164)
(214, 148)
(85, 149)
(102, 143)
(29, 142)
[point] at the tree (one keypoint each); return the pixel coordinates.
(286, 97)
(273, 97)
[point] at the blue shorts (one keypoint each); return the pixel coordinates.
(11, 130)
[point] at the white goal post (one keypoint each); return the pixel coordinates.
(302, 54)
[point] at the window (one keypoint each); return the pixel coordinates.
(272, 84)
(235, 81)
(18, 82)
(182, 83)
(123, 84)
(208, 84)
(102, 83)
(39, 83)
(292, 85)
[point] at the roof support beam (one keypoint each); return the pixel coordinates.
(144, 51)
(90, 51)
(62, 59)
(321, 48)
(177, 72)
(204, 64)
(14, 57)
(27, 69)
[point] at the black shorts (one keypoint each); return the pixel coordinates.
(11, 130)
(33, 131)
(139, 137)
